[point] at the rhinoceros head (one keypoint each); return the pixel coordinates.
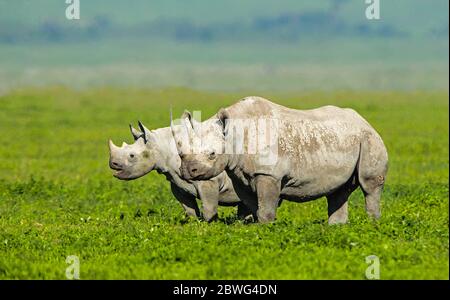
(135, 160)
(200, 146)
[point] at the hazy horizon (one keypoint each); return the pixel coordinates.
(232, 45)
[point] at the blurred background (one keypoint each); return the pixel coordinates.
(233, 45)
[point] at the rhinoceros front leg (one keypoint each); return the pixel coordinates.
(187, 201)
(268, 193)
(208, 191)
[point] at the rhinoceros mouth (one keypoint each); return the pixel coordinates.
(124, 175)
(115, 168)
(198, 177)
(119, 173)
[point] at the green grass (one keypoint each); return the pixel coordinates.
(58, 198)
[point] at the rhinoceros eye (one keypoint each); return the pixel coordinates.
(212, 155)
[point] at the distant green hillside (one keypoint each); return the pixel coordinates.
(412, 15)
(226, 44)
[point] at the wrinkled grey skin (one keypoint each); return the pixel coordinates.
(156, 150)
(328, 151)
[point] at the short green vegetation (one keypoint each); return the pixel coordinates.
(58, 196)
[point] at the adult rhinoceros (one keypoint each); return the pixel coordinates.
(156, 150)
(328, 151)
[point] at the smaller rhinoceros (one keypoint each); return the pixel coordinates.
(156, 150)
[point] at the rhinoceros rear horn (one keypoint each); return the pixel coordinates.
(174, 134)
(171, 121)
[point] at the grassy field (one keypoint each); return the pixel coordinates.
(58, 196)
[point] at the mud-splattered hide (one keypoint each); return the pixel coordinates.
(328, 151)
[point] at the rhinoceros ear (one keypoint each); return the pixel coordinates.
(187, 116)
(136, 133)
(146, 134)
(224, 116)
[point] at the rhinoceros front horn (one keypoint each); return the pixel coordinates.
(112, 148)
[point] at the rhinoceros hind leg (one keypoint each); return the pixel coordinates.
(338, 204)
(373, 197)
(372, 169)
